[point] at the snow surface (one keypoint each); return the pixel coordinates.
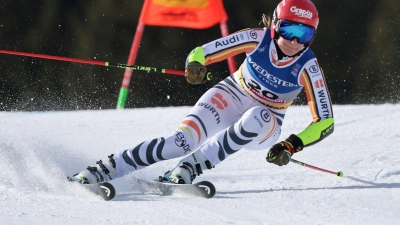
(39, 149)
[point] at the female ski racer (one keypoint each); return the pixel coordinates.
(245, 110)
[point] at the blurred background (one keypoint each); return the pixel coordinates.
(357, 45)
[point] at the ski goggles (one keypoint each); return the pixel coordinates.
(290, 30)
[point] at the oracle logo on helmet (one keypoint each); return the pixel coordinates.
(301, 12)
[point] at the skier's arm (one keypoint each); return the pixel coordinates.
(225, 47)
(316, 132)
(319, 102)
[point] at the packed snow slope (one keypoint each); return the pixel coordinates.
(38, 150)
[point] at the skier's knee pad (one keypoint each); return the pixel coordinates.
(258, 119)
(261, 121)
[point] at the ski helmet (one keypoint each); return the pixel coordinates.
(298, 11)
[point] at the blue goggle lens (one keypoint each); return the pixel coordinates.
(290, 30)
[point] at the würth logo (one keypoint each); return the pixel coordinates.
(219, 101)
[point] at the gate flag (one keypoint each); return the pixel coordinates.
(193, 14)
(196, 14)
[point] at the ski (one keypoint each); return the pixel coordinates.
(203, 189)
(104, 189)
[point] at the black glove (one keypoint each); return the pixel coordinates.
(281, 152)
(196, 73)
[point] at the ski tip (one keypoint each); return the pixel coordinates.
(107, 191)
(208, 188)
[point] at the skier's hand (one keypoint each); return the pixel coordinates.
(196, 73)
(281, 152)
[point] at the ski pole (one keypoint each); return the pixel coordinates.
(94, 62)
(339, 174)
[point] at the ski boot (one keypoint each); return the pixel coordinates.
(101, 172)
(187, 169)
